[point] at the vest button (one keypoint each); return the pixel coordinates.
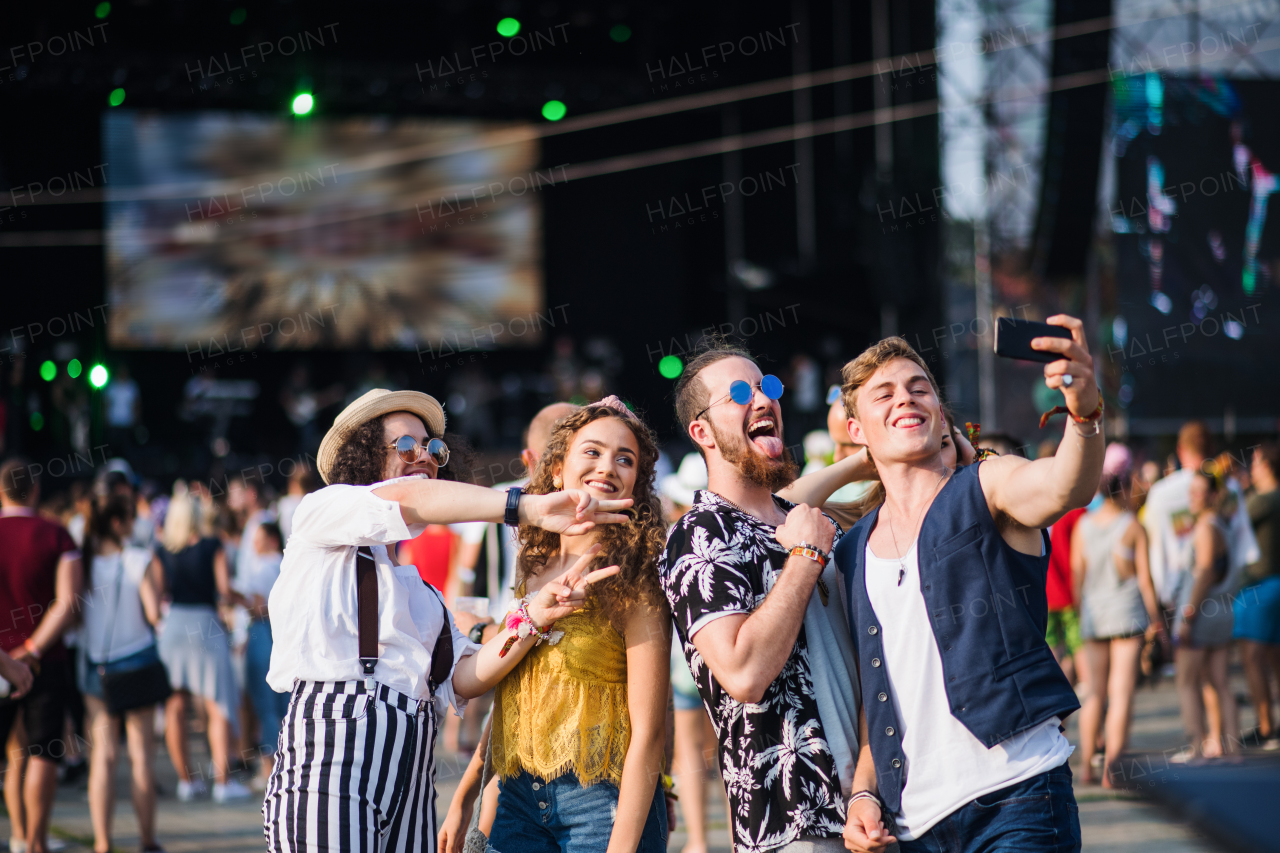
(875, 661)
(873, 630)
(883, 697)
(948, 648)
(889, 731)
(537, 785)
(895, 764)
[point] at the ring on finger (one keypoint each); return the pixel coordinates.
(1067, 380)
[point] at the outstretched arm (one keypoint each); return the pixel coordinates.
(1036, 494)
(425, 501)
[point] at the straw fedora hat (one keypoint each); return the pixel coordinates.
(375, 404)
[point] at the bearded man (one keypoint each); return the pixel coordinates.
(757, 609)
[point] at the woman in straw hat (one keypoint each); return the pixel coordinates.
(354, 765)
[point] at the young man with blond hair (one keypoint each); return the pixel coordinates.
(964, 718)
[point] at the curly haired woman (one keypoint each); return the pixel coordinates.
(578, 726)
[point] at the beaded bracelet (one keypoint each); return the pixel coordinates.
(520, 623)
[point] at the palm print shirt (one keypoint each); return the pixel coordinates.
(777, 767)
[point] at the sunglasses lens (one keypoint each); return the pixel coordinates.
(740, 392)
(407, 448)
(833, 394)
(771, 386)
(438, 451)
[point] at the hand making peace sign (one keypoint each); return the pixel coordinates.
(567, 593)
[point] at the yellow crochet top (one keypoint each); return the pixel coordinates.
(564, 707)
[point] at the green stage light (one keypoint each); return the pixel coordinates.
(620, 33)
(98, 376)
(73, 368)
(37, 421)
(102, 10)
(238, 16)
(303, 103)
(554, 110)
(508, 27)
(48, 371)
(116, 98)
(670, 366)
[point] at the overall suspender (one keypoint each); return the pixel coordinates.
(367, 617)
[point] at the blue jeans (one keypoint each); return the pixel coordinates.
(1035, 816)
(561, 816)
(269, 705)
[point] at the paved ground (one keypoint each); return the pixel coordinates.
(1111, 823)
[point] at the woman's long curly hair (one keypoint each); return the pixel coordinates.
(634, 546)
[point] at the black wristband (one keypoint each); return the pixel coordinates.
(511, 517)
(476, 634)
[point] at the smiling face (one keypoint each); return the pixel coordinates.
(395, 425)
(899, 414)
(748, 436)
(602, 458)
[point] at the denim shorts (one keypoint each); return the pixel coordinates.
(91, 683)
(561, 816)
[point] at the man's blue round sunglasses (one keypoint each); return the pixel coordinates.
(741, 391)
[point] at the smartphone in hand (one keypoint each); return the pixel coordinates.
(1013, 339)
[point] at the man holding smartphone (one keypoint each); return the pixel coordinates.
(964, 720)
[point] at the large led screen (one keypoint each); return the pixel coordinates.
(250, 230)
(1197, 225)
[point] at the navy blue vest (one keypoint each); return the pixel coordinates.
(988, 612)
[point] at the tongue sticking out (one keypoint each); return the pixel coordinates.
(769, 445)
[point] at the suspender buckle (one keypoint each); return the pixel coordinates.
(366, 667)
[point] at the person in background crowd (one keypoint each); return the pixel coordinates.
(974, 728)
(302, 482)
(1204, 623)
(41, 579)
(194, 646)
(122, 606)
(758, 613)
(1112, 582)
(432, 553)
(694, 735)
(123, 409)
(1063, 634)
(1147, 475)
(251, 506)
(81, 506)
(1169, 522)
(836, 420)
(590, 709)
(1257, 607)
(254, 589)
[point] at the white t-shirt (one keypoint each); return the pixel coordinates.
(946, 766)
(1169, 522)
(114, 614)
(262, 575)
(314, 619)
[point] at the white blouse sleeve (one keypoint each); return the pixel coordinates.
(346, 516)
